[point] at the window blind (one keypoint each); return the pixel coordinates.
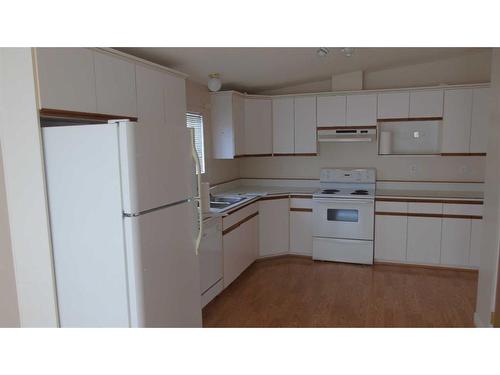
(195, 121)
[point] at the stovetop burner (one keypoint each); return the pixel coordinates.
(329, 191)
(360, 192)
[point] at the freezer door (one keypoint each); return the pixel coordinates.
(164, 277)
(157, 166)
(83, 183)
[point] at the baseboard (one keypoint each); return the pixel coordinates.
(283, 255)
(479, 323)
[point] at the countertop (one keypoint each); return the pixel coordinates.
(259, 191)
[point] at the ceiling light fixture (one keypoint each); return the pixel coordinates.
(348, 51)
(214, 83)
(322, 51)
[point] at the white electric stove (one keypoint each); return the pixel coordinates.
(343, 215)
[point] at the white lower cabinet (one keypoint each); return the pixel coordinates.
(240, 248)
(455, 242)
(424, 240)
(301, 232)
(274, 226)
(390, 238)
(476, 234)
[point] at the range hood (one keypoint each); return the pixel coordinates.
(347, 135)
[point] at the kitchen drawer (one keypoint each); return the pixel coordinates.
(391, 206)
(301, 203)
(425, 208)
(463, 209)
(239, 215)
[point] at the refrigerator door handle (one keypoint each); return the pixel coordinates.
(197, 199)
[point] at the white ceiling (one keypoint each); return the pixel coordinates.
(258, 69)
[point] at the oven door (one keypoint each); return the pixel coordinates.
(343, 218)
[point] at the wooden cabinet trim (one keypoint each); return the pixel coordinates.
(346, 127)
(409, 119)
(234, 226)
(425, 200)
(413, 265)
(236, 209)
(293, 209)
(274, 197)
(417, 214)
(62, 114)
(463, 154)
(305, 196)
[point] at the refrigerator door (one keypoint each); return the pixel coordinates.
(164, 276)
(84, 194)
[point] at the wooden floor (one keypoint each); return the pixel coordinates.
(297, 292)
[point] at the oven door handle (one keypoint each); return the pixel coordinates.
(330, 200)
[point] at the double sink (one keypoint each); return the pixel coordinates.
(224, 202)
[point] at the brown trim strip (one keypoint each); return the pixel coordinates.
(59, 113)
(410, 265)
(417, 214)
(463, 154)
(281, 178)
(234, 226)
(255, 155)
(295, 154)
(301, 209)
(274, 197)
(424, 200)
(283, 154)
(346, 127)
(409, 119)
(301, 196)
(432, 181)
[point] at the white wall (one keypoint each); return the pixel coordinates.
(489, 246)
(198, 100)
(9, 313)
(365, 155)
(25, 189)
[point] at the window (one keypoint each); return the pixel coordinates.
(195, 121)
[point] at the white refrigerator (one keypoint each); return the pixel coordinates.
(124, 224)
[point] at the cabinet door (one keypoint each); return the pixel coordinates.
(175, 101)
(115, 85)
(390, 238)
(455, 243)
(301, 232)
(258, 126)
(238, 118)
(283, 125)
(361, 110)
(480, 120)
(331, 110)
(457, 121)
(240, 248)
(424, 240)
(273, 226)
(223, 133)
(305, 125)
(475, 243)
(393, 105)
(66, 78)
(426, 103)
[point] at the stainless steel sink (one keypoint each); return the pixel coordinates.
(223, 202)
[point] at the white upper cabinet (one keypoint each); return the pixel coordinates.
(258, 126)
(175, 101)
(227, 123)
(66, 79)
(305, 125)
(331, 110)
(392, 105)
(115, 85)
(457, 121)
(283, 125)
(361, 110)
(480, 120)
(426, 103)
